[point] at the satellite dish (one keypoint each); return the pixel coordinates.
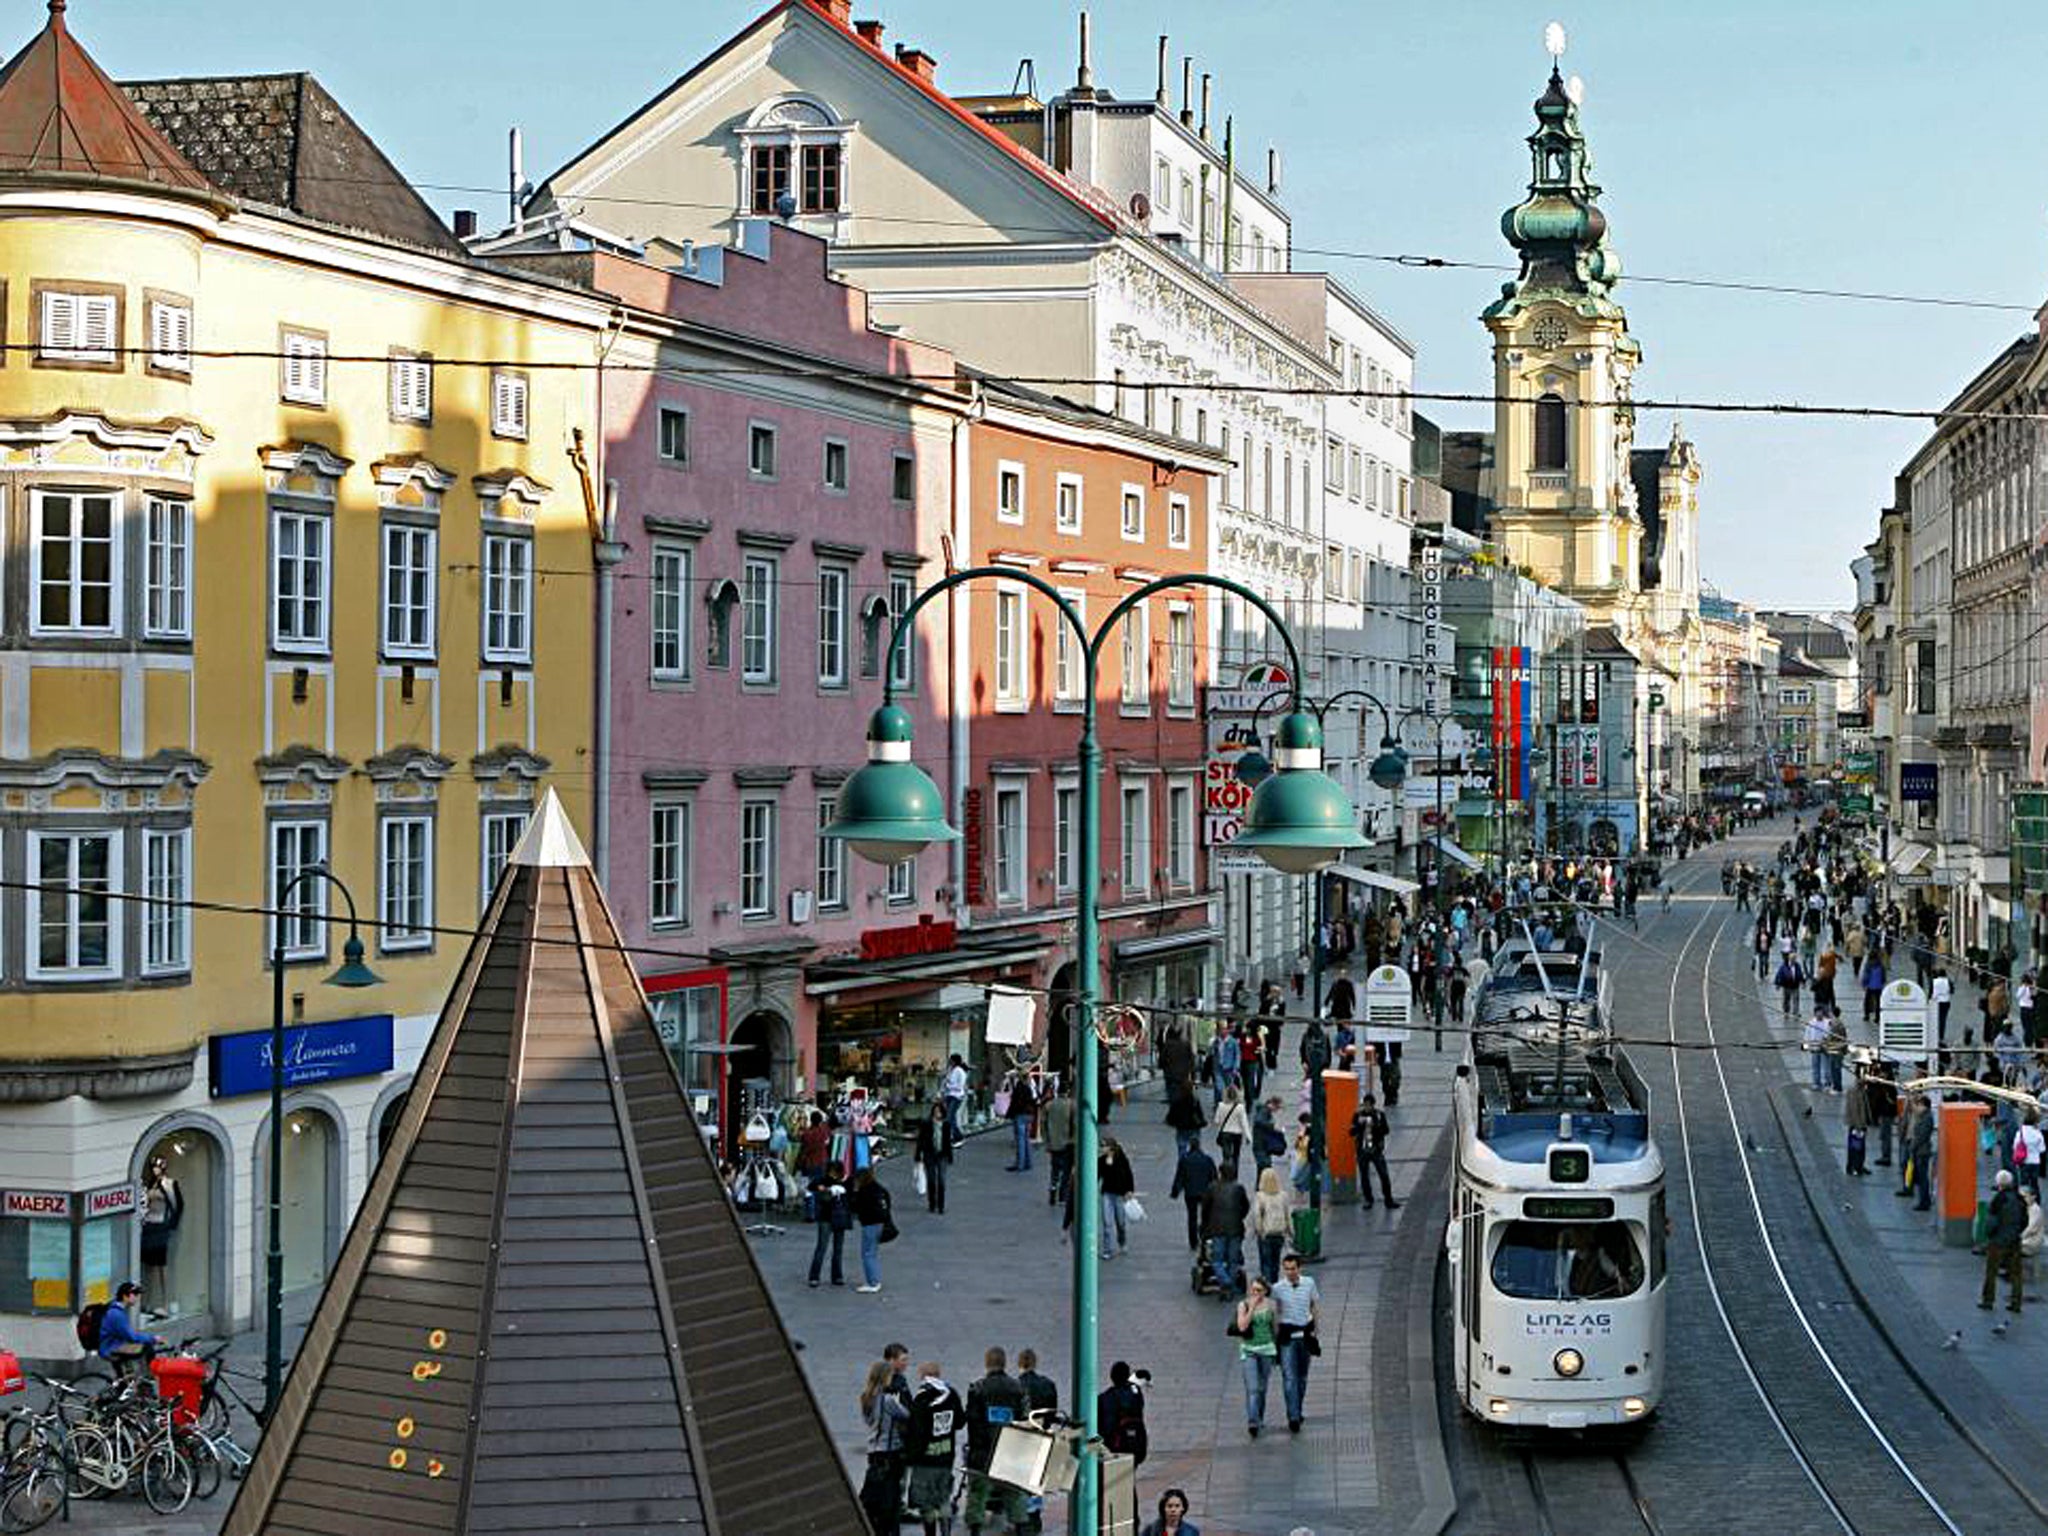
(1553, 39)
(1576, 89)
(1141, 206)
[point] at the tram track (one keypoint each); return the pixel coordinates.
(1571, 1494)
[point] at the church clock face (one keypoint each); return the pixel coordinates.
(1549, 333)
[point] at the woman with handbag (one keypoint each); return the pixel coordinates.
(1256, 1328)
(877, 1226)
(931, 1155)
(1118, 1184)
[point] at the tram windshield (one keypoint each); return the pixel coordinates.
(1561, 1261)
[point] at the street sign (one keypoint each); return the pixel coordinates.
(1903, 1022)
(1389, 1005)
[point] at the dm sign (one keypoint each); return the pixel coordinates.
(313, 1053)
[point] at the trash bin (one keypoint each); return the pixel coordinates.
(11, 1378)
(1308, 1232)
(181, 1382)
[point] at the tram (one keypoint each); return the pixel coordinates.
(1556, 1238)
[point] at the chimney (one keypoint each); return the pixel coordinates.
(1187, 91)
(1159, 97)
(1205, 107)
(465, 223)
(918, 62)
(840, 11)
(870, 32)
(1272, 171)
(517, 176)
(1085, 80)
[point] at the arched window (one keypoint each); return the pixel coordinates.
(1550, 433)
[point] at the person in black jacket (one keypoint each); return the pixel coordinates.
(833, 1216)
(930, 1442)
(1192, 1177)
(1118, 1185)
(1177, 1061)
(1120, 1414)
(1224, 1211)
(933, 1152)
(2006, 1220)
(1185, 1114)
(1041, 1393)
(1022, 1111)
(1369, 1130)
(871, 1210)
(992, 1402)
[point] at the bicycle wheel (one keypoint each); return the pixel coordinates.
(206, 1468)
(89, 1458)
(213, 1411)
(32, 1494)
(166, 1479)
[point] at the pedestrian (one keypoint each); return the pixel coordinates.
(1787, 980)
(1232, 1127)
(885, 1409)
(1118, 1184)
(1120, 1414)
(2005, 1221)
(1059, 1143)
(1192, 1176)
(1882, 1096)
(121, 1344)
(1919, 1171)
(1257, 1328)
(1185, 1114)
(1824, 977)
(1228, 1056)
(1022, 1108)
(1225, 1209)
(832, 1216)
(1873, 987)
(992, 1402)
(1173, 1517)
(1296, 1299)
(1834, 1049)
(1251, 1057)
(931, 1441)
(2035, 1234)
(1943, 992)
(953, 1093)
(1272, 1213)
(1041, 1393)
(1268, 1140)
(2023, 1001)
(1856, 1120)
(2028, 1150)
(814, 1146)
(877, 1226)
(1369, 1132)
(1177, 1060)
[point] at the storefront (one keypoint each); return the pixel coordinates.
(689, 1015)
(59, 1251)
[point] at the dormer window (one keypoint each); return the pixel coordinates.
(795, 146)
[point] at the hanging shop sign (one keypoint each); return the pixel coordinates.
(1435, 640)
(36, 1202)
(1919, 781)
(114, 1200)
(971, 840)
(313, 1053)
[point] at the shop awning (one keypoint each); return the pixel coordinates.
(1908, 857)
(1456, 854)
(830, 978)
(1166, 943)
(1373, 878)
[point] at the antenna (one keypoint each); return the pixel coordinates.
(1025, 82)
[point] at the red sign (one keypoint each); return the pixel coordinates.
(1223, 793)
(36, 1202)
(970, 834)
(923, 937)
(111, 1201)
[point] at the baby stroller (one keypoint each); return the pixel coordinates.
(1202, 1277)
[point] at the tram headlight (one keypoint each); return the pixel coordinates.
(1634, 1407)
(1499, 1407)
(1568, 1362)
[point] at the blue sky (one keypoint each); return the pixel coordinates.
(1823, 143)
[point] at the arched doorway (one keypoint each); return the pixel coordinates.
(756, 1063)
(188, 1282)
(385, 1126)
(1606, 838)
(311, 1193)
(1059, 1020)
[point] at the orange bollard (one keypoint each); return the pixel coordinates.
(1955, 1166)
(1340, 1103)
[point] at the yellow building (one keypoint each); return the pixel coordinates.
(288, 578)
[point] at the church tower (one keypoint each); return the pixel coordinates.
(1563, 361)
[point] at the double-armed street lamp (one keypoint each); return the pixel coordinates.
(351, 973)
(890, 810)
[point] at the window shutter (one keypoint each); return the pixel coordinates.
(97, 324)
(295, 368)
(60, 322)
(508, 404)
(313, 367)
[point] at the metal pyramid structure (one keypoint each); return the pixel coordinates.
(546, 1317)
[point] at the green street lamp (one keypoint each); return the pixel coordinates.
(890, 810)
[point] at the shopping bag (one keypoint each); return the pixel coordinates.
(917, 1180)
(1133, 1209)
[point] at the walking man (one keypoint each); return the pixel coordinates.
(1192, 1177)
(1369, 1130)
(1295, 1298)
(1059, 1142)
(1224, 1210)
(2007, 1220)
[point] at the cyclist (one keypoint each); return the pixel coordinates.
(120, 1344)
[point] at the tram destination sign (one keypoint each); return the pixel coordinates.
(313, 1053)
(1568, 1208)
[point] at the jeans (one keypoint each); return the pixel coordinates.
(1922, 1181)
(1226, 1077)
(952, 1120)
(1884, 1140)
(1368, 1162)
(1294, 1375)
(1113, 1218)
(1815, 1060)
(871, 1254)
(1062, 1159)
(1226, 1260)
(836, 1238)
(1258, 1370)
(1182, 1140)
(1193, 1204)
(1834, 1069)
(1021, 1124)
(1269, 1255)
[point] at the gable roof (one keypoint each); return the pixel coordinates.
(285, 141)
(546, 1229)
(1086, 199)
(61, 115)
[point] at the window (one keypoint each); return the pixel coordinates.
(412, 387)
(668, 864)
(1066, 517)
(75, 561)
(405, 882)
(1287, 489)
(902, 883)
(1187, 198)
(835, 465)
(1136, 839)
(408, 590)
(1010, 684)
(508, 597)
(669, 613)
(1333, 463)
(170, 336)
(903, 477)
(80, 328)
(76, 936)
(1012, 881)
(1162, 186)
(769, 175)
(903, 661)
(501, 833)
(821, 178)
(1069, 685)
(1134, 512)
(831, 859)
(1121, 396)
(1137, 647)
(1066, 829)
(1180, 657)
(167, 882)
(303, 368)
(1180, 835)
(298, 580)
(1550, 433)
(832, 621)
(1266, 479)
(508, 403)
(167, 581)
(298, 929)
(757, 858)
(1557, 1261)
(1179, 522)
(1009, 493)
(1173, 415)
(674, 445)
(757, 620)
(761, 451)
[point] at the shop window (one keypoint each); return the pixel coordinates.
(179, 1176)
(310, 1173)
(35, 1254)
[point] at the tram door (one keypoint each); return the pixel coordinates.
(1471, 1274)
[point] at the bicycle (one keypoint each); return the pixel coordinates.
(32, 1473)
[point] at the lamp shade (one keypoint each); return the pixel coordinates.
(1300, 819)
(890, 810)
(1390, 769)
(353, 972)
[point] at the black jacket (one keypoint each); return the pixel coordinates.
(1224, 1209)
(932, 1437)
(1184, 1111)
(1120, 1411)
(932, 1144)
(1193, 1175)
(1177, 1059)
(871, 1204)
(1117, 1178)
(1369, 1131)
(992, 1402)
(1040, 1392)
(2006, 1220)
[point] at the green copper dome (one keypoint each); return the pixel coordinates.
(1559, 228)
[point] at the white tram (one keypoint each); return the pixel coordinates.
(1557, 1226)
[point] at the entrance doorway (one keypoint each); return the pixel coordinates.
(756, 1057)
(1059, 1021)
(308, 1189)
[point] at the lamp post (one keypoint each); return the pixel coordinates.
(890, 810)
(352, 973)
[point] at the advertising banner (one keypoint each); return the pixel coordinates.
(313, 1053)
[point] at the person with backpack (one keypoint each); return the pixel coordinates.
(1225, 1209)
(1120, 1414)
(992, 1402)
(114, 1335)
(931, 1441)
